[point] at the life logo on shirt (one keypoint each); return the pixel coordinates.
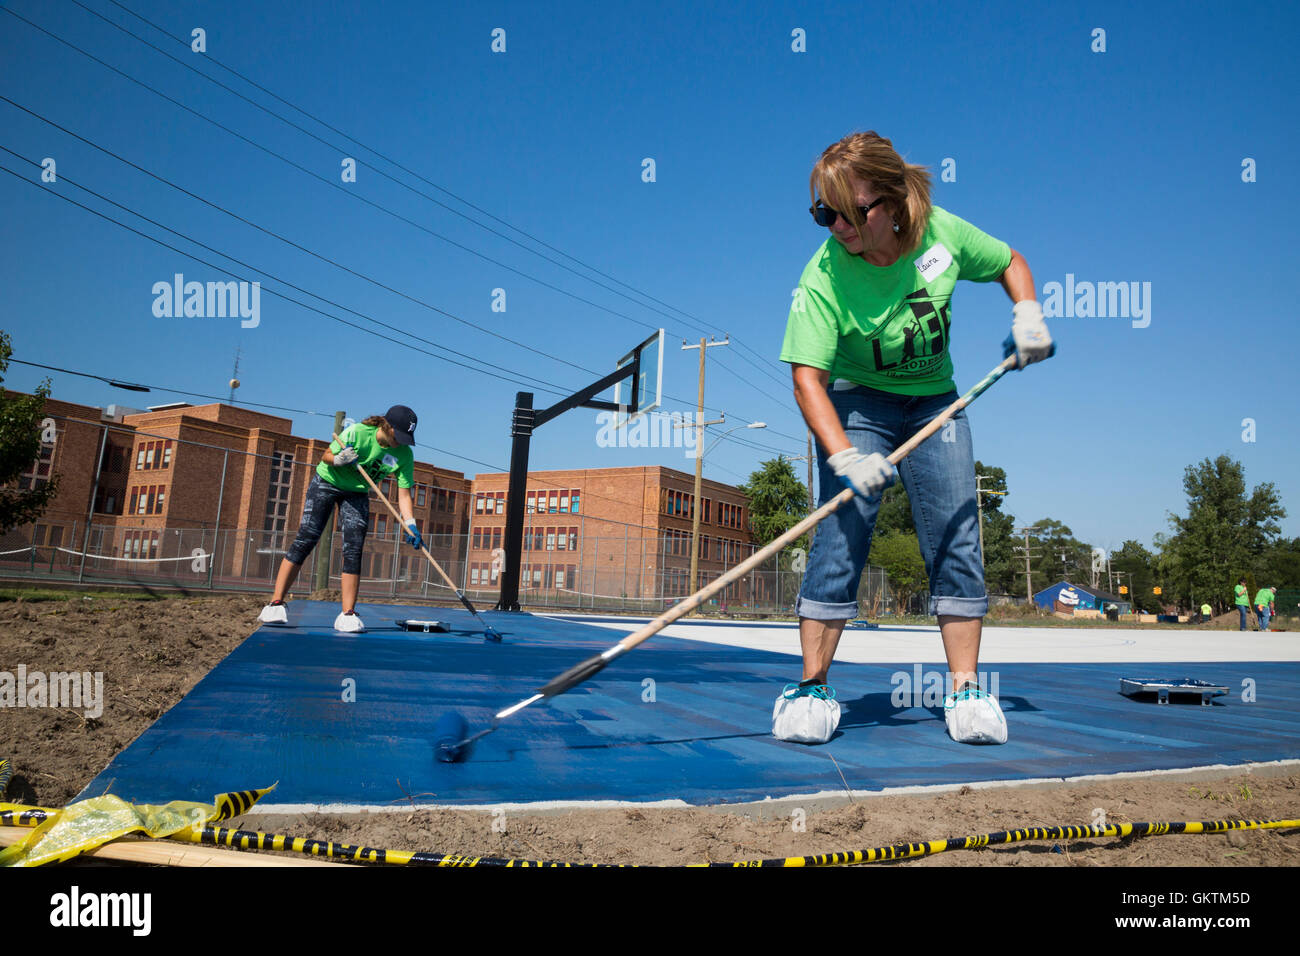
(383, 467)
(915, 337)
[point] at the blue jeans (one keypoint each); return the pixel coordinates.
(939, 476)
(1241, 608)
(1262, 612)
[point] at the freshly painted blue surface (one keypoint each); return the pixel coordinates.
(274, 710)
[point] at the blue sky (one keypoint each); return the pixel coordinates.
(1115, 166)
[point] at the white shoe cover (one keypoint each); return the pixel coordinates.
(973, 717)
(805, 718)
(274, 614)
(349, 623)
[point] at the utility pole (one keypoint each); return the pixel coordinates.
(810, 459)
(979, 506)
(1028, 573)
(700, 423)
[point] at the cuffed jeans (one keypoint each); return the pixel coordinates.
(939, 476)
(1241, 608)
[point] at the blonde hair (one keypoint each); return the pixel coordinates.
(872, 158)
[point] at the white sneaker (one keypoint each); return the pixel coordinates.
(349, 623)
(973, 717)
(274, 614)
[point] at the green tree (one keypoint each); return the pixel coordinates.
(895, 514)
(20, 446)
(899, 553)
(1280, 564)
(1224, 532)
(1060, 555)
(778, 501)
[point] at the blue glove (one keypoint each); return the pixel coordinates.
(413, 535)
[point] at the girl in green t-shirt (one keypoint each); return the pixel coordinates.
(382, 446)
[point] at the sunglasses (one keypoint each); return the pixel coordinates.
(824, 215)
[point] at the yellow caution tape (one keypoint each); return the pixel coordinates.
(17, 815)
(86, 824)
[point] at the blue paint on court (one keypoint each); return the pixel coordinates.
(274, 710)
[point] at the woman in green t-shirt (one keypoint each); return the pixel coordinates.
(868, 341)
(382, 446)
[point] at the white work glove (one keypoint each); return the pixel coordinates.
(868, 475)
(1029, 338)
(348, 456)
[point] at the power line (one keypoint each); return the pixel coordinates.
(332, 184)
(287, 241)
(212, 59)
(273, 292)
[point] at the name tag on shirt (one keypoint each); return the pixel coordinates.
(389, 462)
(934, 262)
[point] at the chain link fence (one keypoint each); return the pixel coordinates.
(602, 574)
(157, 512)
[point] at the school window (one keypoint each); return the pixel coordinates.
(554, 503)
(478, 539)
(530, 504)
(559, 577)
(451, 501)
(139, 458)
(501, 502)
(478, 504)
(420, 496)
(538, 536)
(167, 453)
(573, 502)
(704, 515)
(573, 539)
(704, 548)
(473, 574)
(564, 502)
(496, 538)
(550, 539)
(162, 497)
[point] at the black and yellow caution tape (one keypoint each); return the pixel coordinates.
(6, 771)
(59, 835)
(256, 840)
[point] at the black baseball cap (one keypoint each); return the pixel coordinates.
(403, 421)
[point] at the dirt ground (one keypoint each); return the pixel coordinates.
(152, 652)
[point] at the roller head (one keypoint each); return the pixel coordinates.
(492, 634)
(450, 730)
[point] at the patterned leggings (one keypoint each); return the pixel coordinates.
(354, 517)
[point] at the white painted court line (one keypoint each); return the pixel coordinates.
(1000, 645)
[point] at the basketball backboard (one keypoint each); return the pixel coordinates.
(650, 380)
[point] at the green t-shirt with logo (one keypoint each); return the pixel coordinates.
(1206, 610)
(1263, 597)
(378, 461)
(1243, 597)
(889, 327)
